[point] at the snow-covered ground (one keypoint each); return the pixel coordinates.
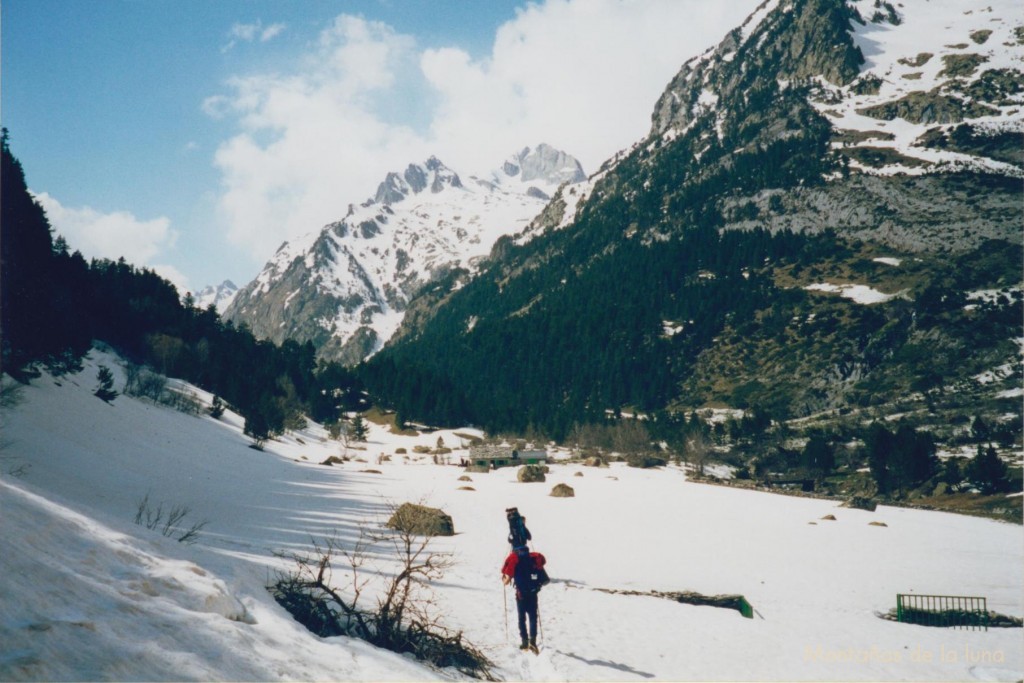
(89, 595)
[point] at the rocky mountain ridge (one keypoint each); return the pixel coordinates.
(346, 287)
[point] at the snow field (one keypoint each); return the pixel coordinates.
(89, 595)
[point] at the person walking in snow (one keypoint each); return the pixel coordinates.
(526, 571)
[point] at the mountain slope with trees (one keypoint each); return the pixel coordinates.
(55, 305)
(683, 280)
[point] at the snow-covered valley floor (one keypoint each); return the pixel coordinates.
(89, 595)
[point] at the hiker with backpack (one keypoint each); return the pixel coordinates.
(526, 571)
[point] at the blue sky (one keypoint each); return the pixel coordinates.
(194, 136)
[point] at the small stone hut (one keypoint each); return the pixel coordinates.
(493, 457)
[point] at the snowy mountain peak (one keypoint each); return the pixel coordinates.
(347, 287)
(220, 296)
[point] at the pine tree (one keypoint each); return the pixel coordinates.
(817, 456)
(359, 429)
(217, 408)
(988, 472)
(106, 389)
(257, 428)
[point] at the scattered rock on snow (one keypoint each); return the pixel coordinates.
(531, 473)
(466, 488)
(830, 518)
(563, 491)
(465, 478)
(877, 524)
(333, 460)
(421, 520)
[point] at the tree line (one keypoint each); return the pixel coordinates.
(55, 304)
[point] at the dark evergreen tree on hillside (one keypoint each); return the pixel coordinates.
(879, 442)
(818, 457)
(359, 429)
(33, 297)
(988, 472)
(105, 391)
(902, 460)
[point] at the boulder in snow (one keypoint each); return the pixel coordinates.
(421, 520)
(563, 491)
(531, 473)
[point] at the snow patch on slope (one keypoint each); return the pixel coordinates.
(911, 57)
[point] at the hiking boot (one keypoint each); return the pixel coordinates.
(533, 648)
(525, 645)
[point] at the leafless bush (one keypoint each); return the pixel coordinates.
(330, 598)
(181, 400)
(142, 382)
(167, 521)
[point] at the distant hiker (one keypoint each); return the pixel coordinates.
(526, 570)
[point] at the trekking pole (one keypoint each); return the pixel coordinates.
(540, 624)
(504, 596)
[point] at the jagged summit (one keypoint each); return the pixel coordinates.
(347, 287)
(432, 174)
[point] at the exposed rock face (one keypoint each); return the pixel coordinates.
(911, 213)
(806, 42)
(546, 165)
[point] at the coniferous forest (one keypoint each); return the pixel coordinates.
(55, 304)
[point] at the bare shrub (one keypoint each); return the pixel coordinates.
(142, 382)
(168, 522)
(388, 605)
(181, 400)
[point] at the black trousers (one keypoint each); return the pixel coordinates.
(527, 607)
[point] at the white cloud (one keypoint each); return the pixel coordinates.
(271, 32)
(582, 75)
(113, 235)
(244, 31)
(249, 32)
(310, 142)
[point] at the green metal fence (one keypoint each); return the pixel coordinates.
(950, 611)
